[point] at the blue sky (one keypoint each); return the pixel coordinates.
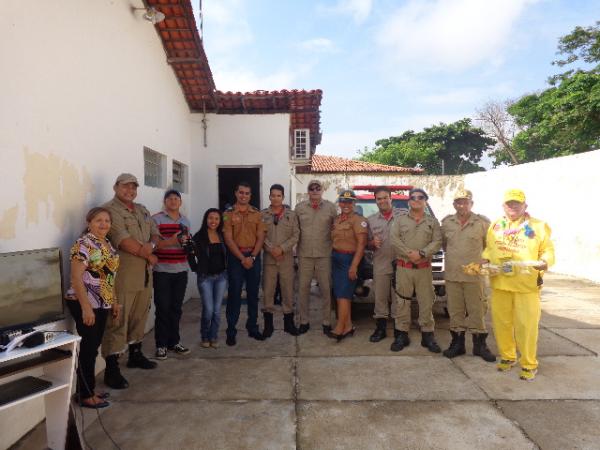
(386, 66)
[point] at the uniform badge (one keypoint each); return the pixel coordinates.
(363, 224)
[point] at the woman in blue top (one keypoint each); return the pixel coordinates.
(210, 264)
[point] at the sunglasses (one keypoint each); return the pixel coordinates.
(314, 189)
(417, 197)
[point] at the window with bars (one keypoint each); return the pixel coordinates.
(180, 172)
(301, 143)
(154, 168)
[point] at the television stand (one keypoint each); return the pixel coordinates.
(53, 362)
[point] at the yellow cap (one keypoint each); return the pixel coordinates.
(463, 193)
(514, 195)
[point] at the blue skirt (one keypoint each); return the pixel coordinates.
(343, 287)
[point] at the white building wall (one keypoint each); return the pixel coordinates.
(259, 140)
(85, 86)
(560, 191)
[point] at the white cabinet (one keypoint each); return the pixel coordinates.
(54, 362)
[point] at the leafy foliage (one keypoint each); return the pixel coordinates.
(564, 119)
(454, 148)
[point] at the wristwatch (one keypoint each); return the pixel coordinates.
(253, 257)
(421, 253)
(153, 244)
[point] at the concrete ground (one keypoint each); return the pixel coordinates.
(313, 393)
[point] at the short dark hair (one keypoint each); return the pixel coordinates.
(242, 184)
(277, 187)
(379, 189)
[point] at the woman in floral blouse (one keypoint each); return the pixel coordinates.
(94, 264)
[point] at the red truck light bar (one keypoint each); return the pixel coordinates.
(372, 187)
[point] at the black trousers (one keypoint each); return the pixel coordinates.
(169, 290)
(91, 337)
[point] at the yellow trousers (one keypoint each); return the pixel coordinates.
(516, 317)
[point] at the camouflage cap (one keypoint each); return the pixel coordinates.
(463, 193)
(125, 178)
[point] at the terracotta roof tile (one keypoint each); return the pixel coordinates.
(332, 164)
(185, 53)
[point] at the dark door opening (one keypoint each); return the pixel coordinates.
(230, 176)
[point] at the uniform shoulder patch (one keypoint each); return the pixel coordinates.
(363, 224)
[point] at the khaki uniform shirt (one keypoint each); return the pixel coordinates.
(463, 245)
(346, 230)
(136, 224)
(243, 226)
(315, 228)
(284, 234)
(406, 234)
(380, 227)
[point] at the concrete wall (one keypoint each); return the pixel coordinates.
(85, 87)
(560, 191)
(260, 140)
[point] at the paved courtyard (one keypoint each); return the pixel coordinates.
(313, 393)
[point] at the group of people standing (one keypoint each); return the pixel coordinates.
(154, 252)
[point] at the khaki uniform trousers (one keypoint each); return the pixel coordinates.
(419, 281)
(467, 306)
(516, 317)
(319, 268)
(130, 326)
(285, 270)
(384, 292)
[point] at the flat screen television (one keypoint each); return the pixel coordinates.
(31, 288)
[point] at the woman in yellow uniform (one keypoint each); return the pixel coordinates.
(349, 236)
(521, 246)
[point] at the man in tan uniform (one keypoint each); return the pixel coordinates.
(136, 236)
(282, 233)
(244, 234)
(416, 237)
(464, 236)
(315, 217)
(380, 225)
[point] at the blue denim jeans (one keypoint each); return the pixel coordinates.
(238, 275)
(212, 289)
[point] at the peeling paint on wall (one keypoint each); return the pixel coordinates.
(53, 188)
(8, 223)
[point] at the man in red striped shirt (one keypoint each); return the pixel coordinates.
(170, 275)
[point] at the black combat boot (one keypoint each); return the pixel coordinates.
(457, 346)
(480, 347)
(401, 340)
(288, 324)
(256, 334)
(112, 374)
(304, 327)
(137, 359)
(379, 332)
(428, 341)
(268, 330)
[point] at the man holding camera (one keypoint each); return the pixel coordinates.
(170, 275)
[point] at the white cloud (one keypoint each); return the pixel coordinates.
(245, 80)
(359, 10)
(225, 26)
(449, 35)
(467, 95)
(318, 45)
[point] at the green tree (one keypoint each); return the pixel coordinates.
(565, 118)
(454, 148)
